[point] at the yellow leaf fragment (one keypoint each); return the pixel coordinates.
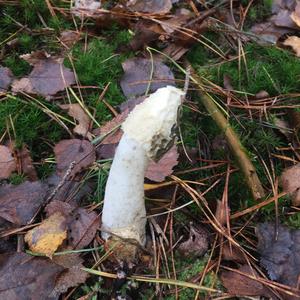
(48, 236)
(294, 42)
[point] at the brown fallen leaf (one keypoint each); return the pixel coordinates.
(290, 183)
(84, 122)
(269, 32)
(82, 225)
(241, 285)
(221, 212)
(26, 277)
(131, 103)
(81, 152)
(82, 8)
(83, 228)
(20, 203)
(71, 191)
(69, 38)
(7, 162)
(112, 129)
(197, 243)
(176, 21)
(145, 32)
(279, 250)
(48, 236)
(294, 42)
(295, 16)
(24, 163)
(48, 76)
(72, 276)
(137, 73)
(6, 77)
(233, 253)
(158, 171)
(283, 19)
(150, 6)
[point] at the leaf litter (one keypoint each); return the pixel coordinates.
(57, 200)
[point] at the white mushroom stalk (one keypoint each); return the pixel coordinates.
(148, 129)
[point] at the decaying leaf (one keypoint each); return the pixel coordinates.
(7, 162)
(6, 77)
(295, 16)
(290, 183)
(24, 163)
(81, 152)
(284, 20)
(112, 129)
(279, 250)
(158, 171)
(233, 253)
(241, 285)
(269, 32)
(137, 72)
(130, 104)
(82, 225)
(72, 276)
(82, 7)
(69, 38)
(71, 191)
(83, 228)
(145, 32)
(84, 121)
(19, 204)
(48, 76)
(28, 277)
(221, 212)
(197, 243)
(294, 42)
(48, 236)
(150, 6)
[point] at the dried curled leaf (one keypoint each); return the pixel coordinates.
(77, 112)
(197, 243)
(48, 236)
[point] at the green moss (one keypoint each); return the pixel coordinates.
(98, 66)
(187, 269)
(269, 68)
(31, 126)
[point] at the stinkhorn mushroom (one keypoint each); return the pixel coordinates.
(148, 131)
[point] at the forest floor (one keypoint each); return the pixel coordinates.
(222, 203)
